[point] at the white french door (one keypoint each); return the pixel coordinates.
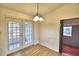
(14, 35)
(28, 31)
(19, 36)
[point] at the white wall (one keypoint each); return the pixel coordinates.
(50, 28)
(36, 32)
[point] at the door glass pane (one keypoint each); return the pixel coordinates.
(14, 35)
(28, 32)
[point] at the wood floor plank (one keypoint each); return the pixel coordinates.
(35, 50)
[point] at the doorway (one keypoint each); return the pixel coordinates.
(69, 36)
(20, 34)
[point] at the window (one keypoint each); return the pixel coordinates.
(28, 32)
(14, 35)
(67, 31)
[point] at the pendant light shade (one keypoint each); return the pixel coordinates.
(40, 19)
(37, 18)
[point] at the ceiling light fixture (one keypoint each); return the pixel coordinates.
(37, 17)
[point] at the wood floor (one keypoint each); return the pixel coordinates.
(35, 50)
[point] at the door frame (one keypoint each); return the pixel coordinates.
(61, 33)
(60, 36)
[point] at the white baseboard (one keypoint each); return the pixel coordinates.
(49, 47)
(35, 43)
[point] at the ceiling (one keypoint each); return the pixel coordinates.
(30, 8)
